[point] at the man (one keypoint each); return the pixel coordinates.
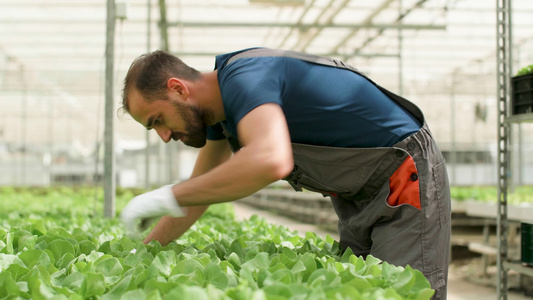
(313, 121)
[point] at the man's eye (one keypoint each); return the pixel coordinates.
(158, 121)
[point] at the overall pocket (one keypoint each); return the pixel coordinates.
(404, 186)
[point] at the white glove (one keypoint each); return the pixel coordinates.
(148, 207)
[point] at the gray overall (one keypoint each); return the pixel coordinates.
(392, 202)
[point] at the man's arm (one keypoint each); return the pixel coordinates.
(266, 157)
(168, 228)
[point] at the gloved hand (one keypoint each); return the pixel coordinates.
(148, 207)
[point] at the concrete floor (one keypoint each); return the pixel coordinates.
(458, 287)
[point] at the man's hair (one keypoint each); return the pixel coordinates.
(150, 72)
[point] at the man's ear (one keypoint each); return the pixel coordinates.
(178, 86)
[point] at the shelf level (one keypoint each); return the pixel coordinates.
(518, 267)
(520, 118)
(521, 213)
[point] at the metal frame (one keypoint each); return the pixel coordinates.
(503, 24)
(109, 133)
(303, 26)
(505, 121)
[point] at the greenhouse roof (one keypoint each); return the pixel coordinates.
(52, 52)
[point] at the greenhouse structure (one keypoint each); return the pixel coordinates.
(75, 161)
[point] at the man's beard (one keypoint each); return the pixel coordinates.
(195, 125)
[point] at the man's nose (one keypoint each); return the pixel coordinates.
(164, 134)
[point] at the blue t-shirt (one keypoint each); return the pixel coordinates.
(323, 105)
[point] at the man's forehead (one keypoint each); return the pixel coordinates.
(137, 105)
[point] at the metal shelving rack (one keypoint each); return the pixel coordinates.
(503, 80)
(504, 71)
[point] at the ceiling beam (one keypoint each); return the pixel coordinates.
(298, 23)
(381, 30)
(311, 36)
(368, 20)
(308, 26)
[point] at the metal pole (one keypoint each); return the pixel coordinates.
(170, 178)
(400, 47)
(163, 25)
(147, 137)
(520, 169)
(515, 180)
(165, 45)
(51, 140)
(503, 62)
(473, 153)
(109, 153)
(160, 163)
(23, 120)
(453, 154)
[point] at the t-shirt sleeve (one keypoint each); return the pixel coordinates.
(248, 83)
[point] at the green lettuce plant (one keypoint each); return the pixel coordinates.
(56, 247)
(525, 70)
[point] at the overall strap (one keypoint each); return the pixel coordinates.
(233, 141)
(327, 61)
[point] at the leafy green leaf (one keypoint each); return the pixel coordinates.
(298, 267)
(278, 290)
(110, 267)
(281, 275)
(9, 287)
(134, 294)
(17, 271)
(8, 259)
(187, 266)
(105, 247)
(163, 264)
(8, 248)
(161, 286)
(348, 253)
(260, 261)
(235, 260)
(329, 277)
(24, 240)
(405, 281)
(60, 247)
(187, 292)
(421, 284)
(73, 281)
(290, 254)
(153, 295)
(119, 289)
(39, 289)
(309, 262)
(38, 226)
(215, 276)
(65, 261)
(342, 292)
(371, 260)
(86, 247)
(132, 260)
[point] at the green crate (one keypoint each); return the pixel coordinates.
(522, 94)
(527, 243)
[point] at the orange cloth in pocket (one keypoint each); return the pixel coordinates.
(403, 184)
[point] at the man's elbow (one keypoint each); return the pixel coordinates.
(281, 167)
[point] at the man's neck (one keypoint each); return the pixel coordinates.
(209, 98)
